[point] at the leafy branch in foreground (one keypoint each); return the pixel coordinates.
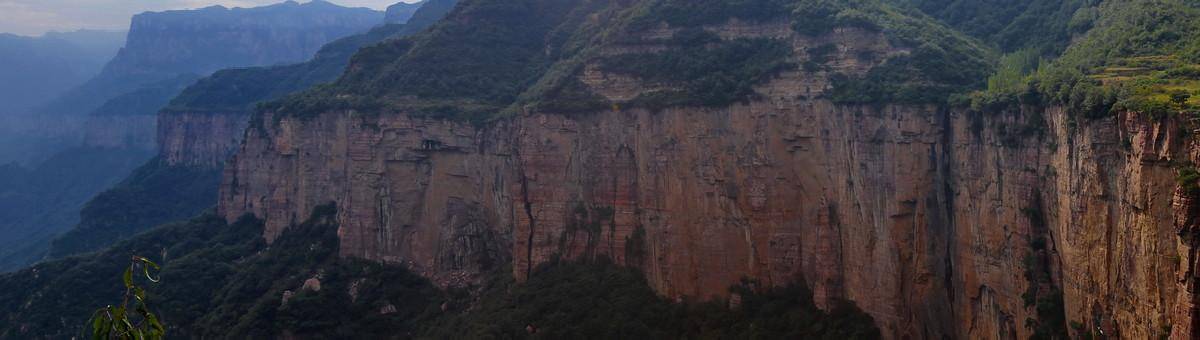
(115, 322)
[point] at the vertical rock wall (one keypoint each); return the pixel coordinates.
(919, 215)
(203, 139)
(939, 223)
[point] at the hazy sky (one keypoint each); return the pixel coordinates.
(34, 17)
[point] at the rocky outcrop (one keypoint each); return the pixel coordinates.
(932, 220)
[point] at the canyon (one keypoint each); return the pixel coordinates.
(927, 217)
(715, 147)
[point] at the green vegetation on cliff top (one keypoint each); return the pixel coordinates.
(942, 62)
(1045, 26)
(494, 57)
(705, 76)
(1139, 55)
(468, 66)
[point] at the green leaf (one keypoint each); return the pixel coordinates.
(129, 326)
(128, 277)
(117, 314)
(146, 264)
(99, 326)
(114, 322)
(106, 330)
(155, 325)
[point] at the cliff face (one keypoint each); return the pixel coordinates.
(208, 39)
(904, 210)
(439, 198)
(938, 222)
(199, 139)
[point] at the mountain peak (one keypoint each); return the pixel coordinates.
(400, 12)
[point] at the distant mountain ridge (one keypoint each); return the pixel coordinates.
(163, 45)
(240, 88)
(400, 12)
(109, 121)
(35, 69)
(209, 39)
